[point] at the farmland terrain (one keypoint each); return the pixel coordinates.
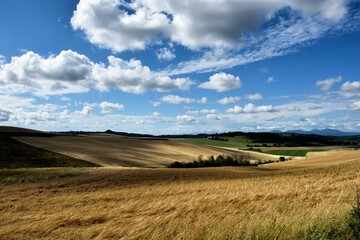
(304, 198)
(298, 199)
(122, 151)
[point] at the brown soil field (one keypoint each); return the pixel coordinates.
(298, 199)
(319, 159)
(126, 151)
(340, 147)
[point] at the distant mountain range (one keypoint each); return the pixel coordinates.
(322, 132)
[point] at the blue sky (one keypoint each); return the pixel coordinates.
(180, 66)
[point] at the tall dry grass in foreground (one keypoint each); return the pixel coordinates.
(223, 203)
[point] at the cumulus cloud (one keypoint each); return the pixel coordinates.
(325, 85)
(228, 100)
(185, 118)
(65, 114)
(202, 111)
(213, 117)
(87, 110)
(286, 35)
(293, 109)
(271, 79)
(351, 89)
(355, 106)
(155, 104)
(108, 24)
(68, 72)
(2, 59)
(222, 82)
(202, 100)
(251, 108)
(165, 54)
(264, 69)
(253, 97)
(4, 115)
(108, 107)
(130, 25)
(174, 99)
(132, 76)
(156, 114)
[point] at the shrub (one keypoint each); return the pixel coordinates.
(238, 160)
(282, 159)
(353, 220)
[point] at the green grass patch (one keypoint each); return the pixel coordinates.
(293, 152)
(20, 175)
(15, 154)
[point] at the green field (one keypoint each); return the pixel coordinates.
(296, 153)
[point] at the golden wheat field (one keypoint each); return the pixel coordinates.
(298, 199)
(114, 150)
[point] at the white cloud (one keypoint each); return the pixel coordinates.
(355, 106)
(156, 114)
(4, 115)
(49, 107)
(165, 53)
(264, 69)
(132, 76)
(350, 89)
(140, 122)
(254, 97)
(271, 79)
(192, 112)
(65, 99)
(185, 118)
(202, 100)
(251, 108)
(222, 82)
(87, 110)
(325, 85)
(2, 59)
(228, 100)
(174, 99)
(155, 104)
(207, 111)
(12, 102)
(68, 72)
(293, 109)
(108, 107)
(202, 111)
(287, 36)
(108, 26)
(213, 117)
(130, 25)
(65, 114)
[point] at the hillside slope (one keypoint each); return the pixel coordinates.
(125, 151)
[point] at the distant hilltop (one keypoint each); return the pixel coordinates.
(322, 132)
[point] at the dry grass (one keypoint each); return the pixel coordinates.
(125, 151)
(299, 201)
(20, 175)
